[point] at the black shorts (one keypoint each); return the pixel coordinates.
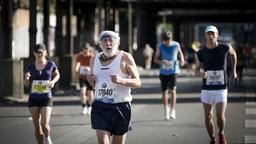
(191, 60)
(168, 81)
(85, 83)
(114, 118)
(34, 102)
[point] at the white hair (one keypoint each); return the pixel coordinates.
(109, 33)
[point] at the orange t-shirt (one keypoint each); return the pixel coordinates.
(84, 65)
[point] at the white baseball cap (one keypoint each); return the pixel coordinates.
(211, 29)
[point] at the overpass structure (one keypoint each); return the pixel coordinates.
(138, 22)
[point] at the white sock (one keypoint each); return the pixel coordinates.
(166, 108)
(48, 140)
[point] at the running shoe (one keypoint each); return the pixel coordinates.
(47, 140)
(84, 110)
(173, 114)
(222, 139)
(167, 113)
(89, 110)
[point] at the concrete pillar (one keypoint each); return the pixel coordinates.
(7, 14)
(146, 24)
(100, 16)
(12, 78)
(89, 23)
(58, 32)
(11, 74)
(130, 27)
(18, 77)
(32, 25)
(70, 40)
(123, 31)
(65, 51)
(46, 11)
(109, 15)
(177, 31)
(1, 84)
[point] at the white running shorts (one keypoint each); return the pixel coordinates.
(214, 96)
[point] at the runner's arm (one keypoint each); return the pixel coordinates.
(233, 59)
(128, 66)
(90, 76)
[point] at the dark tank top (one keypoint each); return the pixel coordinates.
(41, 75)
(215, 64)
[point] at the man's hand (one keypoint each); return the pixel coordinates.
(165, 62)
(51, 84)
(234, 75)
(90, 78)
(116, 79)
(27, 77)
(201, 74)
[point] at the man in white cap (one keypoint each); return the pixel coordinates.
(114, 73)
(213, 59)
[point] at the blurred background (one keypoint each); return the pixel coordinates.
(64, 25)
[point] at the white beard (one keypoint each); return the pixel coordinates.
(109, 53)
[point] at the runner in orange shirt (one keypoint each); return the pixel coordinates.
(82, 69)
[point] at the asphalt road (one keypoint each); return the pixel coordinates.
(69, 126)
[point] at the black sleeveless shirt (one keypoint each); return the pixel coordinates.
(215, 64)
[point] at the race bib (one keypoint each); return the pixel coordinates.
(106, 92)
(169, 66)
(40, 86)
(84, 70)
(215, 77)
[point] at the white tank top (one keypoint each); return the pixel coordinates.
(105, 90)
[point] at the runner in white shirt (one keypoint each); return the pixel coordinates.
(114, 73)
